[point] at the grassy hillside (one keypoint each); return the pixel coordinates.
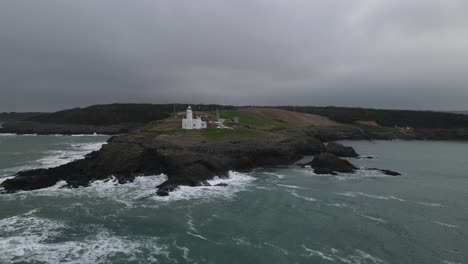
(388, 118)
(270, 118)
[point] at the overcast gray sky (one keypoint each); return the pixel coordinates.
(410, 54)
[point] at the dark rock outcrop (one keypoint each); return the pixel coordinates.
(341, 151)
(128, 156)
(366, 157)
(387, 172)
(328, 163)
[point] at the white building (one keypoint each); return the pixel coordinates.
(191, 123)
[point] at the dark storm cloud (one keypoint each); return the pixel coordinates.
(372, 53)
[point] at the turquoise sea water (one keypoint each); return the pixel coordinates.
(279, 215)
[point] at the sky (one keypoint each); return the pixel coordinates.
(394, 54)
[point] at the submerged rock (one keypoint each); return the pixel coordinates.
(366, 157)
(328, 163)
(387, 172)
(341, 151)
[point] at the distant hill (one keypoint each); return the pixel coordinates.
(460, 112)
(388, 118)
(13, 116)
(112, 114)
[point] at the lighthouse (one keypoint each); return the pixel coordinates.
(190, 123)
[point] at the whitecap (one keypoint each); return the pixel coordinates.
(295, 194)
(445, 224)
(263, 188)
(431, 204)
(197, 235)
(89, 135)
(396, 198)
(236, 182)
(191, 224)
(367, 256)
(380, 220)
(290, 186)
(55, 158)
(7, 134)
(340, 205)
(450, 262)
(185, 251)
(316, 253)
(277, 175)
(282, 250)
(28, 238)
(241, 241)
(61, 157)
(378, 197)
(142, 190)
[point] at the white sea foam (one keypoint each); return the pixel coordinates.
(241, 241)
(340, 205)
(445, 224)
(60, 157)
(185, 251)
(28, 238)
(378, 197)
(142, 190)
(197, 235)
(316, 253)
(236, 182)
(54, 158)
(190, 224)
(282, 250)
(88, 135)
(396, 198)
(277, 175)
(7, 134)
(431, 204)
(263, 188)
(295, 194)
(347, 194)
(450, 262)
(290, 186)
(376, 219)
(355, 257)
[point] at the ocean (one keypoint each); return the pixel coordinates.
(271, 215)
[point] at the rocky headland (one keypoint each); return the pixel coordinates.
(184, 162)
(265, 137)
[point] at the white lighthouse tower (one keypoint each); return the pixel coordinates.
(190, 123)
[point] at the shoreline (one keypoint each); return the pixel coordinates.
(191, 158)
(186, 164)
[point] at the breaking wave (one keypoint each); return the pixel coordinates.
(334, 255)
(54, 158)
(60, 157)
(143, 190)
(378, 197)
(28, 238)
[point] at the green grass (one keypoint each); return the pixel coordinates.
(250, 119)
(214, 135)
